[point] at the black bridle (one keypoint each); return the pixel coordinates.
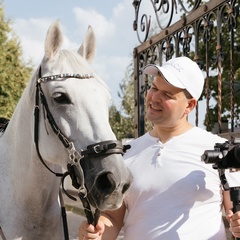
(75, 170)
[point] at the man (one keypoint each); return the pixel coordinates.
(174, 195)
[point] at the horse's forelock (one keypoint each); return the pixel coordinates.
(71, 62)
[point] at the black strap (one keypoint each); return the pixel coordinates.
(50, 118)
(36, 132)
(64, 216)
(104, 148)
(36, 135)
(91, 218)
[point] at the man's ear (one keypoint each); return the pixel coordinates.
(192, 103)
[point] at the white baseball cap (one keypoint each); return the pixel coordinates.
(180, 72)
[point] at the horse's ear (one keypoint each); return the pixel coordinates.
(88, 48)
(53, 40)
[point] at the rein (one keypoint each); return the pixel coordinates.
(75, 170)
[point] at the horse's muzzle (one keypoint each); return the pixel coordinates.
(106, 184)
(106, 188)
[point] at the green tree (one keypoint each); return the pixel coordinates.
(127, 93)
(13, 72)
(122, 121)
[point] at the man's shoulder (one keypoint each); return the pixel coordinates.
(202, 133)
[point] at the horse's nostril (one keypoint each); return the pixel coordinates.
(106, 183)
(125, 188)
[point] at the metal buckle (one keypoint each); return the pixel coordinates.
(97, 149)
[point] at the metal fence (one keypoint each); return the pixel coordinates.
(206, 31)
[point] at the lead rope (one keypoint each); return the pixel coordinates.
(64, 216)
(91, 218)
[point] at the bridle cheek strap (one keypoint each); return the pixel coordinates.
(74, 156)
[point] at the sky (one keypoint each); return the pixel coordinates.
(112, 22)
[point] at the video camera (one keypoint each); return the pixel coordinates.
(225, 155)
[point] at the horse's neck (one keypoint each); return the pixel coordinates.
(29, 179)
(30, 190)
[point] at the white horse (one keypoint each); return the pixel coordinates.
(56, 118)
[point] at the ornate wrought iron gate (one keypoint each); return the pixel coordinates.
(200, 32)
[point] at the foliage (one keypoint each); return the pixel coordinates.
(122, 122)
(127, 92)
(13, 72)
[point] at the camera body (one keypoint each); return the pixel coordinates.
(225, 155)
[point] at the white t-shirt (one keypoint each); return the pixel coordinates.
(174, 195)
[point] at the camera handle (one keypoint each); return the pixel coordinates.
(234, 191)
(235, 198)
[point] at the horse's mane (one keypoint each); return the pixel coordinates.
(3, 124)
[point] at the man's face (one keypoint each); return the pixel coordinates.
(166, 105)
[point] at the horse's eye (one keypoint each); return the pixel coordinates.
(61, 98)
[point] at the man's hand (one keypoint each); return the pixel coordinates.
(87, 231)
(234, 222)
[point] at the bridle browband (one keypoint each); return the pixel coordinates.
(75, 170)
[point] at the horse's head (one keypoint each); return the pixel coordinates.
(75, 102)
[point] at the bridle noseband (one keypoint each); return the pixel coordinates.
(75, 170)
